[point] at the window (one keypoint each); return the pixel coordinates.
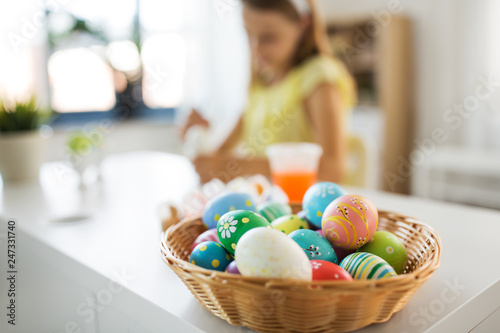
(163, 58)
(80, 81)
(100, 55)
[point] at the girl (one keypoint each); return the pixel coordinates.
(298, 93)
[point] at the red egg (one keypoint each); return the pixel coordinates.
(209, 235)
(326, 270)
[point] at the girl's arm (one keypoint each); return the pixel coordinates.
(224, 165)
(324, 108)
(233, 138)
(194, 118)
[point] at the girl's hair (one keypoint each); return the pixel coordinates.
(315, 39)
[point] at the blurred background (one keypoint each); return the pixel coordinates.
(127, 72)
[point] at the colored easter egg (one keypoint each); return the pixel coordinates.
(289, 223)
(210, 255)
(317, 198)
(269, 253)
(272, 210)
(326, 270)
(315, 246)
(350, 221)
(389, 247)
(367, 266)
(225, 202)
(209, 235)
(232, 268)
(234, 224)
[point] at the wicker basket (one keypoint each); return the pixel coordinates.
(275, 305)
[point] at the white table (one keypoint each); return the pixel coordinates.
(66, 269)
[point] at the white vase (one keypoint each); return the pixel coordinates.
(21, 155)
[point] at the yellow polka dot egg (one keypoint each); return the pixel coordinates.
(210, 255)
(224, 202)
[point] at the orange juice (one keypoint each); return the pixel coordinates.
(295, 183)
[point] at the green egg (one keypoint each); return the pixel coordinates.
(289, 223)
(233, 225)
(272, 210)
(389, 247)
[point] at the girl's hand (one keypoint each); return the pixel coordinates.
(205, 166)
(194, 119)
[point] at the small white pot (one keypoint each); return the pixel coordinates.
(21, 155)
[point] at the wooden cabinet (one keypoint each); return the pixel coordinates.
(380, 57)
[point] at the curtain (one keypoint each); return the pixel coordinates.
(218, 66)
(478, 62)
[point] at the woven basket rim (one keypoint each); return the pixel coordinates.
(215, 277)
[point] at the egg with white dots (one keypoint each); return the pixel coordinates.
(315, 246)
(317, 198)
(210, 255)
(326, 270)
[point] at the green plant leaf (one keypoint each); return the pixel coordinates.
(22, 115)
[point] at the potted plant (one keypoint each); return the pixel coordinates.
(22, 149)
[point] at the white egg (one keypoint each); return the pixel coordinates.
(266, 252)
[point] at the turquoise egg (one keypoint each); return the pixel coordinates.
(367, 266)
(317, 198)
(225, 202)
(272, 210)
(210, 255)
(314, 245)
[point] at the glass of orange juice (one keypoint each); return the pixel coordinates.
(294, 167)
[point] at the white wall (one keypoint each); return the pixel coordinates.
(21, 37)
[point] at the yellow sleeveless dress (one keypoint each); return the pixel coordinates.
(276, 113)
